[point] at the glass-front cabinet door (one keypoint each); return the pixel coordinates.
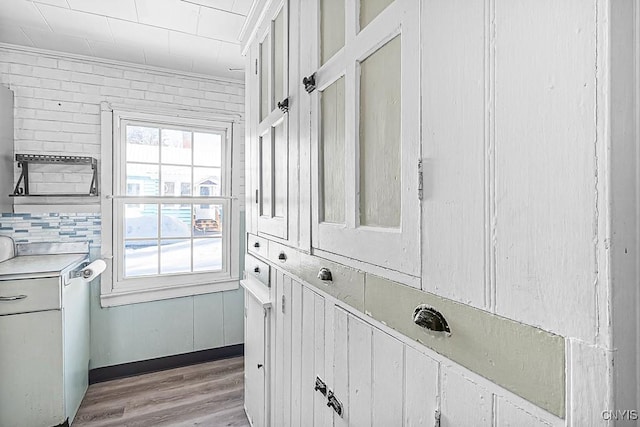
(365, 128)
(271, 149)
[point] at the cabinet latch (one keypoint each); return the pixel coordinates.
(284, 105)
(334, 403)
(420, 180)
(321, 386)
(309, 83)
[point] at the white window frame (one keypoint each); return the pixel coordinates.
(115, 288)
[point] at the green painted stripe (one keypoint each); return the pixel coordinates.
(523, 359)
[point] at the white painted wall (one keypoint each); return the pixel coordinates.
(57, 111)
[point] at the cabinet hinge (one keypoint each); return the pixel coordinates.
(256, 67)
(420, 180)
(282, 305)
(256, 197)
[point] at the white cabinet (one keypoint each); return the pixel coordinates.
(268, 118)
(365, 131)
(257, 312)
(6, 149)
(44, 351)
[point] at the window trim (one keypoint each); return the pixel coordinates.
(115, 292)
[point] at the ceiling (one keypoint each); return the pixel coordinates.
(199, 36)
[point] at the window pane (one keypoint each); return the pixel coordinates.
(140, 221)
(175, 174)
(278, 57)
(175, 256)
(208, 220)
(265, 176)
(176, 221)
(280, 169)
(142, 180)
(380, 145)
(207, 254)
(208, 181)
(142, 144)
(264, 79)
(332, 127)
(369, 9)
(140, 258)
(207, 149)
(331, 28)
(176, 146)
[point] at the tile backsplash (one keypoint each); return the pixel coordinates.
(51, 227)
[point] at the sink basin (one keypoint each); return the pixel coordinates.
(7, 248)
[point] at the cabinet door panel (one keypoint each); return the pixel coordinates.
(421, 388)
(464, 402)
(272, 134)
(380, 141)
(31, 369)
(387, 381)
(360, 338)
(254, 356)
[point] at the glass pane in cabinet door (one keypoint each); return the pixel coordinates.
(279, 78)
(369, 9)
(142, 180)
(332, 152)
(143, 144)
(264, 78)
(207, 149)
(175, 256)
(176, 146)
(380, 133)
(265, 176)
(331, 28)
(175, 220)
(280, 156)
(207, 254)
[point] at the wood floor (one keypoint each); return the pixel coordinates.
(208, 394)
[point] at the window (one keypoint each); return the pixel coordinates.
(166, 244)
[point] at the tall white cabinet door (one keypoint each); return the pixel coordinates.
(271, 142)
(256, 366)
(365, 128)
(30, 367)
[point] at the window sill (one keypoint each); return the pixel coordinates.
(115, 298)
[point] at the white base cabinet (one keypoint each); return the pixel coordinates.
(376, 376)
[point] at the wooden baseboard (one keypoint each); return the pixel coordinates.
(131, 369)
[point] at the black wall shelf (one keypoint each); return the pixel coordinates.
(22, 186)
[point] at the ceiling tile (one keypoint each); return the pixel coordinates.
(164, 60)
(20, 12)
(130, 33)
(216, 69)
(215, 4)
(231, 56)
(77, 24)
(59, 3)
(13, 34)
(123, 9)
(197, 47)
(45, 39)
(220, 25)
(172, 14)
(117, 52)
(242, 6)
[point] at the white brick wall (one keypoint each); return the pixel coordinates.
(57, 106)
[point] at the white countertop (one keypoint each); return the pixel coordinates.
(33, 266)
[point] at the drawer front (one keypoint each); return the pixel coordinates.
(258, 269)
(283, 256)
(22, 296)
(257, 245)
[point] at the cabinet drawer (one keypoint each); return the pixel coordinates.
(257, 245)
(284, 256)
(22, 296)
(258, 269)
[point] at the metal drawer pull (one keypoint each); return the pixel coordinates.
(13, 298)
(256, 245)
(429, 318)
(282, 256)
(325, 275)
(256, 269)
